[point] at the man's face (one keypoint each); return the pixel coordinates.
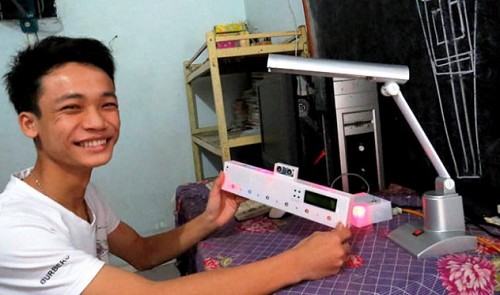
(79, 123)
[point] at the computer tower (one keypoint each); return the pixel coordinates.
(293, 126)
(359, 135)
(329, 128)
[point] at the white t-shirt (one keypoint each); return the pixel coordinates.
(45, 248)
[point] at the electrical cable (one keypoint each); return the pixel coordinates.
(352, 174)
(414, 212)
(394, 205)
(295, 28)
(20, 7)
(482, 228)
(310, 42)
(41, 7)
(488, 244)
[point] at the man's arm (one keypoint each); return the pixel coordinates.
(144, 253)
(322, 254)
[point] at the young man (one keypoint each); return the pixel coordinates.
(57, 232)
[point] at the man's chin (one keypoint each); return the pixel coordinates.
(98, 163)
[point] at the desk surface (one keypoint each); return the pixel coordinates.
(377, 265)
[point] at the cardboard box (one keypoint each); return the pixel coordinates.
(230, 28)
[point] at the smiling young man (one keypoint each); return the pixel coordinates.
(56, 230)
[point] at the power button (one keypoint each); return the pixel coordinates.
(417, 232)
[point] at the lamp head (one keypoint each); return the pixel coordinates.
(338, 68)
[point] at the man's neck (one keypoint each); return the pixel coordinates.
(65, 186)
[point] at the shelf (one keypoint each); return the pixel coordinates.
(210, 139)
(293, 45)
(213, 62)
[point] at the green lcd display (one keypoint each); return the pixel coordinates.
(321, 201)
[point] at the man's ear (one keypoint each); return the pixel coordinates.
(28, 123)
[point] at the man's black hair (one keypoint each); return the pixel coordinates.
(30, 65)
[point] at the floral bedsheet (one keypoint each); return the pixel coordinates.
(376, 265)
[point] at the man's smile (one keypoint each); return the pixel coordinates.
(92, 143)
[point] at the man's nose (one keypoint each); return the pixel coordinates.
(94, 119)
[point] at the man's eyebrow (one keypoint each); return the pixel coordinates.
(69, 96)
(109, 93)
(81, 96)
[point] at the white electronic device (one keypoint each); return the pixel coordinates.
(281, 189)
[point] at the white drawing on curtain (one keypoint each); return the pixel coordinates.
(450, 28)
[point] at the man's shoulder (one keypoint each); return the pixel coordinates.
(15, 194)
(16, 182)
(19, 207)
(20, 202)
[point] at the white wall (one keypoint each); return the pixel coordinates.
(150, 40)
(153, 155)
(274, 15)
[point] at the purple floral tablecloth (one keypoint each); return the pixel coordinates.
(376, 264)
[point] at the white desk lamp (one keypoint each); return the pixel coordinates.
(443, 228)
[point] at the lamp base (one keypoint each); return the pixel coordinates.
(422, 243)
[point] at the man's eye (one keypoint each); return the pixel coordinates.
(70, 107)
(111, 105)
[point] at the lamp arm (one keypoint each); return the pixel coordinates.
(392, 89)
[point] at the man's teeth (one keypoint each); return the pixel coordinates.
(93, 143)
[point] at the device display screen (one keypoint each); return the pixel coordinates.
(321, 201)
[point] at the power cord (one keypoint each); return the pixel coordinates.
(352, 174)
(295, 28)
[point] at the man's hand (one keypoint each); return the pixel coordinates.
(323, 253)
(221, 205)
